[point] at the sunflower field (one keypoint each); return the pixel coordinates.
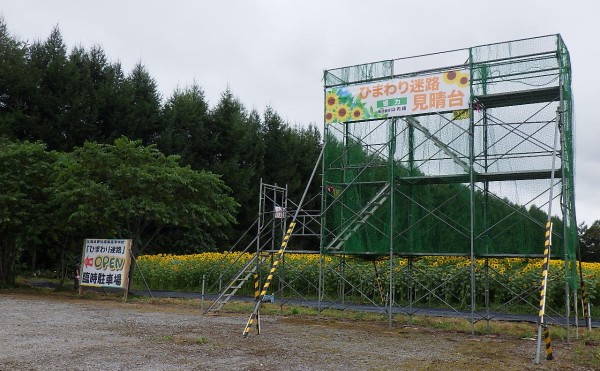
(431, 281)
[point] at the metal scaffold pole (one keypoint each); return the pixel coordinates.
(546, 264)
(472, 197)
(391, 151)
(565, 213)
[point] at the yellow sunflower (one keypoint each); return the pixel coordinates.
(331, 100)
(343, 112)
(331, 116)
(450, 77)
(357, 113)
(462, 80)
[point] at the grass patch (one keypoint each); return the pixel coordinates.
(200, 341)
(586, 351)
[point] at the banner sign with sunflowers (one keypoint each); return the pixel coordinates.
(442, 92)
(105, 263)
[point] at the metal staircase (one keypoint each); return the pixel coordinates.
(360, 218)
(439, 143)
(238, 281)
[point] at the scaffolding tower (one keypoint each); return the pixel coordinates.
(459, 160)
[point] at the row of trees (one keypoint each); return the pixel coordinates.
(69, 103)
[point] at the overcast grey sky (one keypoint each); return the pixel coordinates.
(274, 52)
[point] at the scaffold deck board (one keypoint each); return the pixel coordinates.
(481, 177)
(515, 98)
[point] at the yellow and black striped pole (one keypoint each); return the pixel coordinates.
(256, 287)
(256, 296)
(254, 315)
(542, 308)
(549, 355)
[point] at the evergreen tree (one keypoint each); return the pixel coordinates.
(48, 65)
(230, 152)
(80, 119)
(16, 83)
(184, 132)
(290, 154)
(112, 101)
(141, 118)
(97, 100)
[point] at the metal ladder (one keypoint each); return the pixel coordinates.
(238, 281)
(360, 218)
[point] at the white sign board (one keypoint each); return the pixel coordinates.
(279, 212)
(440, 92)
(105, 263)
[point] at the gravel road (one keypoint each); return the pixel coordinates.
(63, 333)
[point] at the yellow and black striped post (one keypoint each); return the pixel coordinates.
(542, 308)
(545, 266)
(256, 296)
(549, 355)
(256, 287)
(276, 262)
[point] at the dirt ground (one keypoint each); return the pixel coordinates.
(65, 333)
